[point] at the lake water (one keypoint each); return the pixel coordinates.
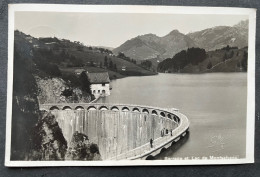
(214, 103)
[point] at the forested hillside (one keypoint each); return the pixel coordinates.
(197, 60)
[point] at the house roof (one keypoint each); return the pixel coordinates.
(98, 78)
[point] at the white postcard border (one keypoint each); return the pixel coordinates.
(136, 9)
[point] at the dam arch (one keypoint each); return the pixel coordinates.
(103, 108)
(54, 108)
(66, 108)
(154, 112)
(136, 110)
(91, 108)
(79, 108)
(145, 111)
(125, 109)
(114, 108)
(162, 114)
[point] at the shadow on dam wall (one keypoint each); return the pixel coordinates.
(115, 132)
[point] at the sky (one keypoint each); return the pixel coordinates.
(113, 29)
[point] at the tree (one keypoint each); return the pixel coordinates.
(121, 55)
(225, 57)
(72, 79)
(54, 70)
(228, 48)
(115, 67)
(195, 55)
(111, 64)
(63, 55)
(85, 84)
(239, 64)
(105, 62)
(49, 68)
(92, 63)
(232, 54)
(209, 65)
(244, 61)
(80, 48)
(76, 62)
(147, 64)
(191, 56)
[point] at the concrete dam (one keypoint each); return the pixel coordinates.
(121, 131)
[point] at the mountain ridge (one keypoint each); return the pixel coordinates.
(148, 46)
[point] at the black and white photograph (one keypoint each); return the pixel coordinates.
(94, 85)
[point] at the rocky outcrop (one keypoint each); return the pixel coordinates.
(48, 143)
(51, 90)
(48, 140)
(81, 149)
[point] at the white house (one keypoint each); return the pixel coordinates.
(99, 83)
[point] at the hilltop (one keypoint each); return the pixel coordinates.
(150, 46)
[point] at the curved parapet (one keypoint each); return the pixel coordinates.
(73, 106)
(154, 129)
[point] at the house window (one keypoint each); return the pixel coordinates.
(103, 84)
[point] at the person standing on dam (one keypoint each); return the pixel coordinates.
(151, 142)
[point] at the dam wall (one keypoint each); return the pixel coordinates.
(115, 131)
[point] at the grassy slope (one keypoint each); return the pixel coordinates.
(87, 56)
